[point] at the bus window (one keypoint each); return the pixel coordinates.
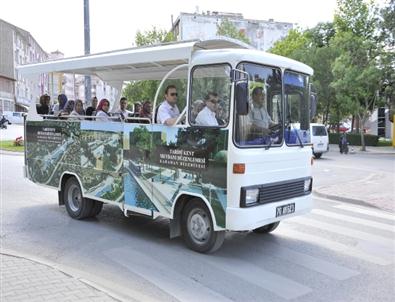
(210, 96)
(297, 102)
(263, 124)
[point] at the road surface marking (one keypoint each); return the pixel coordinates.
(348, 218)
(380, 214)
(344, 231)
(279, 285)
(327, 268)
(332, 245)
(181, 287)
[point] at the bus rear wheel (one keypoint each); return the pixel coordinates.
(77, 206)
(267, 228)
(198, 230)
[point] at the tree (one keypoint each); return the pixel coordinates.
(313, 48)
(357, 76)
(153, 36)
(137, 91)
(295, 41)
(228, 29)
(387, 38)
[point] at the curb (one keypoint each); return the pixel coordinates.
(345, 199)
(15, 153)
(64, 271)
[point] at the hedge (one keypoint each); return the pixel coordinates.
(354, 139)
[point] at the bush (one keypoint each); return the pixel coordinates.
(384, 143)
(354, 139)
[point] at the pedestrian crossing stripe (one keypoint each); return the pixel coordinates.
(360, 210)
(332, 245)
(344, 231)
(348, 218)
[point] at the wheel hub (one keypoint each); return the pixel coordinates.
(75, 198)
(199, 226)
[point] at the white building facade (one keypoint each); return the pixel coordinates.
(17, 47)
(261, 34)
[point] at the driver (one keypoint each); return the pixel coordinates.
(260, 119)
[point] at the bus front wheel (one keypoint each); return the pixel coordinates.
(198, 230)
(267, 228)
(77, 206)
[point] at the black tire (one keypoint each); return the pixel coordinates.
(197, 228)
(96, 208)
(267, 228)
(77, 206)
(317, 155)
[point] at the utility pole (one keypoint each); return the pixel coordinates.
(87, 40)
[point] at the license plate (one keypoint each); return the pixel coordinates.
(320, 144)
(285, 209)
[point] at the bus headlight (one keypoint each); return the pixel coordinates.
(251, 196)
(307, 185)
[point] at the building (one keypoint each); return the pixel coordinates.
(262, 34)
(73, 86)
(17, 46)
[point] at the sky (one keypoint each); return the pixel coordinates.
(59, 24)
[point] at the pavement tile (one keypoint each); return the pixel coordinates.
(26, 280)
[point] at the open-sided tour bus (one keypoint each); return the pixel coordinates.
(232, 176)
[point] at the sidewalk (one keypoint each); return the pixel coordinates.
(22, 279)
(12, 132)
(371, 190)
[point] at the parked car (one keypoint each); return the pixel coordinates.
(319, 139)
(14, 117)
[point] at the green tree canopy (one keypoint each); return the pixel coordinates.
(138, 91)
(228, 29)
(153, 36)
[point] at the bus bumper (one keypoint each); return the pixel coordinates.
(247, 219)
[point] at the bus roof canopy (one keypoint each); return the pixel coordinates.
(140, 63)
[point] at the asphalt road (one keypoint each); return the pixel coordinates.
(339, 252)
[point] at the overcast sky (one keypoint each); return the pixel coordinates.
(58, 24)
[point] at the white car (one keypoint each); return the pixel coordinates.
(14, 117)
(319, 139)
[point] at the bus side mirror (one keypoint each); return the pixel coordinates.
(241, 95)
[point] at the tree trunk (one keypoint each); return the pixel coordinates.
(362, 120)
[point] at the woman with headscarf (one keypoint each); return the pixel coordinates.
(146, 110)
(78, 110)
(68, 108)
(62, 100)
(102, 110)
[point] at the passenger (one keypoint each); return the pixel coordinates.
(78, 110)
(91, 110)
(222, 113)
(146, 110)
(43, 107)
(137, 109)
(102, 110)
(260, 118)
(168, 111)
(62, 100)
(197, 106)
(68, 108)
(123, 112)
(206, 117)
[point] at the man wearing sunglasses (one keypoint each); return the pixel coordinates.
(168, 111)
(206, 116)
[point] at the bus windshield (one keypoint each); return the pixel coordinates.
(297, 104)
(262, 126)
